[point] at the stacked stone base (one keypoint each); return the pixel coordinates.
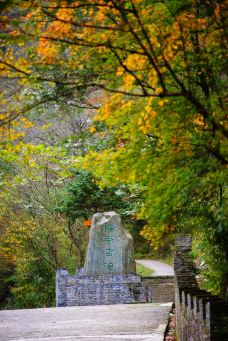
(160, 288)
(78, 290)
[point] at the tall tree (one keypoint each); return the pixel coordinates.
(163, 65)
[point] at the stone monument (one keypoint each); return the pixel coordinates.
(110, 249)
(109, 275)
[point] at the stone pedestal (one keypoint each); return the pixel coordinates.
(104, 289)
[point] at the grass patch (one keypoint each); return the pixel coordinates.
(143, 270)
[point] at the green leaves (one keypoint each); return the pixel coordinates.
(156, 71)
(84, 198)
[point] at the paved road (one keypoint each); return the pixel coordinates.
(129, 322)
(161, 269)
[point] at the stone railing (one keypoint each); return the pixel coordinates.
(200, 316)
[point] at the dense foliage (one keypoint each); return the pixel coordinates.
(151, 77)
(84, 198)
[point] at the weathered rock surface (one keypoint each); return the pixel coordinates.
(110, 249)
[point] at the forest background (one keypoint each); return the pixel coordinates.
(110, 105)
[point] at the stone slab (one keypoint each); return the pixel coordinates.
(86, 323)
(110, 249)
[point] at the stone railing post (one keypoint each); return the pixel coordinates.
(200, 316)
(184, 278)
(61, 287)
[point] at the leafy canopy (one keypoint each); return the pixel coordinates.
(161, 67)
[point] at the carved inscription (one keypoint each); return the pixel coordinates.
(109, 246)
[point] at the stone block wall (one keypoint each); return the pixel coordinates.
(200, 316)
(160, 288)
(76, 290)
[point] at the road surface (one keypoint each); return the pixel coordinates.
(128, 322)
(161, 269)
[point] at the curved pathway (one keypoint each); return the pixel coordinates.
(161, 269)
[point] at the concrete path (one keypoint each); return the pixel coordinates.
(129, 322)
(161, 269)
